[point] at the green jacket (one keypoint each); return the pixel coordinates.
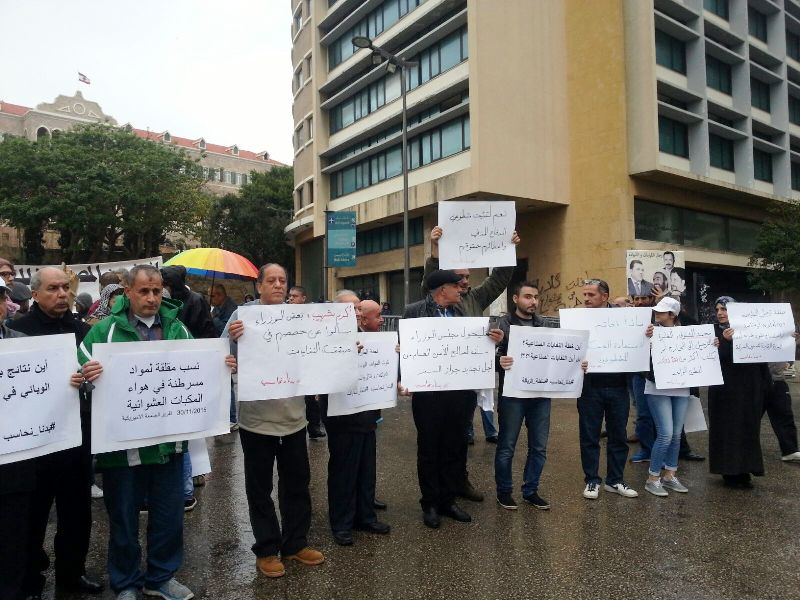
(478, 298)
(116, 328)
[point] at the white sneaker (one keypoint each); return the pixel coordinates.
(96, 492)
(794, 457)
(591, 491)
(622, 490)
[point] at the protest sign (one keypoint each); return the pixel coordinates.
(762, 332)
(659, 268)
(695, 417)
(477, 234)
(297, 349)
(446, 354)
(39, 409)
(617, 340)
(198, 455)
(547, 360)
(162, 391)
(685, 357)
(377, 377)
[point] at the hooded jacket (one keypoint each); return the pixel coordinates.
(117, 328)
(195, 312)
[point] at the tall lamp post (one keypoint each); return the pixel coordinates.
(393, 62)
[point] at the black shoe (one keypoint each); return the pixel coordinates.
(692, 456)
(430, 516)
(374, 527)
(455, 512)
(537, 501)
(470, 493)
(343, 538)
(506, 501)
(316, 434)
(81, 585)
(492, 439)
(378, 505)
(189, 505)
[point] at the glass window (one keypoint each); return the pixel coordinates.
(757, 24)
(718, 7)
(394, 164)
(452, 138)
(794, 110)
(657, 222)
(425, 143)
(793, 45)
(670, 52)
(393, 86)
(759, 94)
(348, 180)
(391, 13)
(796, 176)
(718, 75)
(704, 230)
(243, 179)
(673, 137)
(721, 152)
(450, 52)
(742, 236)
(762, 165)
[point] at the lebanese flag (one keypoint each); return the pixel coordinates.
(83, 78)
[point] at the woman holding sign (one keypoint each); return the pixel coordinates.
(734, 410)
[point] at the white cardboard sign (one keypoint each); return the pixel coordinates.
(477, 234)
(547, 360)
(762, 332)
(685, 357)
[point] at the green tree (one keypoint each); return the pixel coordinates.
(776, 256)
(107, 192)
(251, 223)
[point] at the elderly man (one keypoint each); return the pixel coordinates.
(473, 302)
(270, 431)
(351, 466)
(440, 417)
(152, 472)
(66, 476)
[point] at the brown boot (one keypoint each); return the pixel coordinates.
(271, 566)
(307, 556)
(470, 493)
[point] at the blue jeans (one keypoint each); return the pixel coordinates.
(510, 414)
(124, 491)
(669, 414)
(233, 416)
(614, 404)
(188, 484)
(487, 419)
(645, 427)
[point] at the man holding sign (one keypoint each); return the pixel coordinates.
(152, 472)
(275, 430)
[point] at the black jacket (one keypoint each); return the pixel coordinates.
(505, 322)
(17, 476)
(360, 422)
(195, 312)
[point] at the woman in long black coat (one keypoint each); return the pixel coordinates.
(734, 411)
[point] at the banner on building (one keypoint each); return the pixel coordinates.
(340, 228)
(647, 269)
(88, 273)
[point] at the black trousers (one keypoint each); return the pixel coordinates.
(778, 406)
(313, 413)
(471, 403)
(15, 509)
(66, 478)
(291, 453)
(440, 418)
(351, 479)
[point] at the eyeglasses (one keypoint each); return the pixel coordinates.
(6, 273)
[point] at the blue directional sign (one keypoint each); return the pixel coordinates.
(341, 236)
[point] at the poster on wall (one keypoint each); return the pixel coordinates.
(650, 269)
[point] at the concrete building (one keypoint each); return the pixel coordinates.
(612, 124)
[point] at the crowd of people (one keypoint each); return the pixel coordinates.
(146, 304)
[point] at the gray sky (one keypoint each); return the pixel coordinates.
(218, 69)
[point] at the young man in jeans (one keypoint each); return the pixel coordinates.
(512, 411)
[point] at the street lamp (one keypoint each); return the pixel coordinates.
(393, 62)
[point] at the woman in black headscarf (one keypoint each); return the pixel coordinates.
(734, 410)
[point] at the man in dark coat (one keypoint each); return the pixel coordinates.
(66, 476)
(222, 307)
(195, 312)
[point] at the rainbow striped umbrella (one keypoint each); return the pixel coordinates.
(216, 263)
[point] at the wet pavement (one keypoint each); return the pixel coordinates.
(710, 543)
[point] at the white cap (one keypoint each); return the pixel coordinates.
(667, 304)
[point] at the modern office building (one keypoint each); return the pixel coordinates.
(612, 124)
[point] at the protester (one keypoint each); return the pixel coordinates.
(472, 303)
(735, 409)
(270, 431)
(82, 304)
(386, 308)
(511, 412)
(7, 274)
(108, 298)
(20, 294)
(297, 295)
(440, 417)
(778, 406)
(195, 312)
(603, 395)
(18, 481)
(63, 477)
(222, 307)
(248, 298)
(153, 472)
(353, 453)
(115, 277)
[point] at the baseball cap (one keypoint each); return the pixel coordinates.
(669, 305)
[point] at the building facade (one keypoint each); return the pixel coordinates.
(612, 124)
